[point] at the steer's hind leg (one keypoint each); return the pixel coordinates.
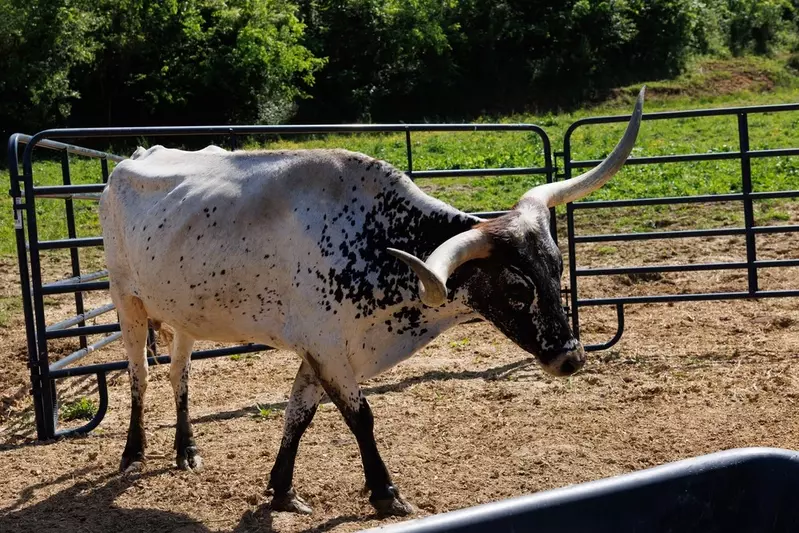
(344, 391)
(133, 323)
(305, 396)
(186, 455)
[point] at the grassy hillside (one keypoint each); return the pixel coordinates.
(708, 83)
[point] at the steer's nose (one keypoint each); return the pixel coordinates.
(569, 361)
(570, 366)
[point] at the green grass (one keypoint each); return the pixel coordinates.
(80, 409)
(707, 83)
(10, 307)
(248, 358)
(262, 412)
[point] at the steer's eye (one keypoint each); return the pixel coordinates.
(518, 296)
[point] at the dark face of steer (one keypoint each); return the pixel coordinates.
(518, 287)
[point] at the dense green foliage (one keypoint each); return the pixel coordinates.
(42, 42)
(141, 62)
(199, 61)
(146, 62)
(391, 60)
(515, 149)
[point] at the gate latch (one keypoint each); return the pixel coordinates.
(17, 213)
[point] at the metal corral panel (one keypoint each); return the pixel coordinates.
(740, 490)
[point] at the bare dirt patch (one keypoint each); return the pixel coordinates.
(471, 419)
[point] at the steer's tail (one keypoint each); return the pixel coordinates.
(164, 331)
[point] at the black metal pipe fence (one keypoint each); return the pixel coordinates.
(29, 247)
(747, 196)
(26, 193)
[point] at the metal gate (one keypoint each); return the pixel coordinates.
(747, 197)
(26, 195)
(45, 374)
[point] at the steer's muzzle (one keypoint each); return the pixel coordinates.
(569, 361)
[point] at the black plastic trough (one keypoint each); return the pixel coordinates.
(740, 490)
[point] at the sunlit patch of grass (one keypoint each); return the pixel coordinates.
(81, 409)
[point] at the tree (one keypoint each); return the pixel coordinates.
(42, 43)
(195, 61)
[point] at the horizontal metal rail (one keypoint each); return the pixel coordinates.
(68, 189)
(60, 244)
(81, 318)
(83, 330)
(83, 352)
(697, 267)
(74, 287)
(69, 148)
(489, 214)
(160, 360)
(685, 158)
(94, 197)
(775, 229)
(662, 298)
(79, 279)
(669, 200)
(682, 234)
(610, 237)
(477, 172)
(278, 129)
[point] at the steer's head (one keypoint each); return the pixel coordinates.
(512, 266)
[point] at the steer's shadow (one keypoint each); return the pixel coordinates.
(491, 374)
(88, 506)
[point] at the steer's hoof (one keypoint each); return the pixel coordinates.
(290, 503)
(396, 506)
(189, 460)
(132, 466)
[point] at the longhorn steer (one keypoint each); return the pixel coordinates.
(298, 250)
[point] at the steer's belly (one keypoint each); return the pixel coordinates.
(213, 323)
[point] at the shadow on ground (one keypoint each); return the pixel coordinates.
(89, 506)
(496, 373)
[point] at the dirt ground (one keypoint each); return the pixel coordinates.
(471, 419)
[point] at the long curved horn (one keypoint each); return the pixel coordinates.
(433, 274)
(563, 192)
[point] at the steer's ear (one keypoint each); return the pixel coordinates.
(433, 273)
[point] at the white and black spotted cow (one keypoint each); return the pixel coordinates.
(299, 250)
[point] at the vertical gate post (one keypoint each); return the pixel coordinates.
(746, 189)
(567, 174)
(72, 233)
(25, 285)
(42, 361)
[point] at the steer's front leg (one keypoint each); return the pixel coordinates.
(305, 396)
(345, 393)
